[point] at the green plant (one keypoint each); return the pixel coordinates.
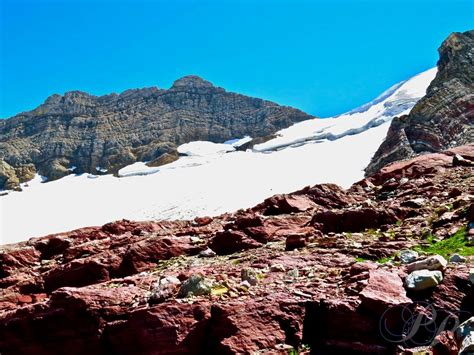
(457, 243)
(384, 260)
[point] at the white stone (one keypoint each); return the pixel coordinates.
(435, 262)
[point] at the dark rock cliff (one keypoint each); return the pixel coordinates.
(108, 132)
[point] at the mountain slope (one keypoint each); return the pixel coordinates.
(84, 133)
(444, 118)
(212, 178)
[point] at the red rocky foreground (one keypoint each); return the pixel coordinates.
(321, 270)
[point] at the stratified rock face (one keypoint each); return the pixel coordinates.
(262, 280)
(94, 133)
(444, 118)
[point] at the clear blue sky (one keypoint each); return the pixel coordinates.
(324, 57)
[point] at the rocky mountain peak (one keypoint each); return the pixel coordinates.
(192, 81)
(443, 118)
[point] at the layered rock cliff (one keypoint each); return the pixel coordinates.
(80, 133)
(444, 118)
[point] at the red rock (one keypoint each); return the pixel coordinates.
(52, 245)
(384, 289)
(323, 330)
(330, 196)
(445, 344)
(16, 258)
(352, 220)
(202, 221)
(295, 241)
(358, 268)
(228, 242)
(166, 328)
(24, 299)
(146, 253)
(77, 273)
(285, 204)
(244, 328)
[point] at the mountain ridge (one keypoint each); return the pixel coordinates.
(85, 131)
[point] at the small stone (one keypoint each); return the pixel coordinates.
(459, 160)
(403, 180)
(277, 268)
(414, 203)
(207, 253)
(293, 273)
(408, 256)
(196, 285)
(164, 289)
(195, 240)
(422, 279)
(249, 275)
(456, 258)
(435, 262)
(245, 284)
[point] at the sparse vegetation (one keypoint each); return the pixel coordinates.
(457, 243)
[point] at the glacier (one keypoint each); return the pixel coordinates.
(213, 178)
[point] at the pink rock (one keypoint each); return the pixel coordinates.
(384, 289)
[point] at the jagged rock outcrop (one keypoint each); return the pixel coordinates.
(444, 118)
(115, 289)
(84, 133)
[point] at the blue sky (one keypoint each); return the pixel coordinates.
(324, 57)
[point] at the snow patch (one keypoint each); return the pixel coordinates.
(203, 148)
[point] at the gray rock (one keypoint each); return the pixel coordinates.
(249, 275)
(471, 275)
(196, 285)
(112, 131)
(422, 279)
(456, 258)
(408, 256)
(435, 262)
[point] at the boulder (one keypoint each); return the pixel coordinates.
(285, 204)
(384, 289)
(352, 220)
(295, 241)
(422, 279)
(229, 242)
(196, 285)
(445, 344)
(407, 256)
(435, 262)
(456, 258)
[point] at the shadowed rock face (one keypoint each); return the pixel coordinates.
(442, 119)
(89, 132)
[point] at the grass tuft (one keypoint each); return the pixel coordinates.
(457, 243)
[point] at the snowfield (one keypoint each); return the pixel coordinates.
(213, 178)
